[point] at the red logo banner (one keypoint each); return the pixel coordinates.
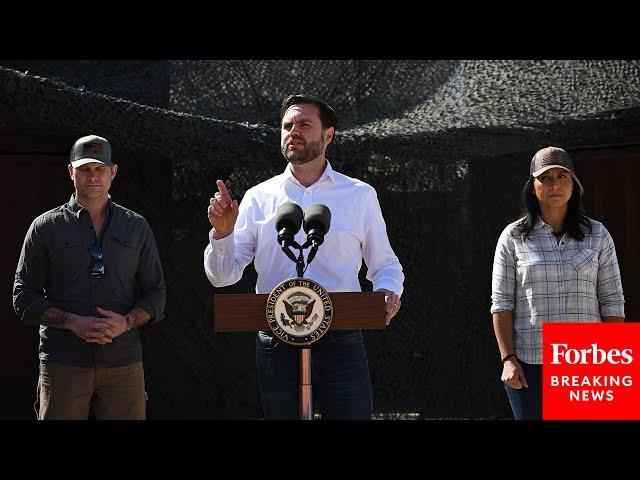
(591, 371)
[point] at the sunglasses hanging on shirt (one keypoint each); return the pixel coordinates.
(97, 268)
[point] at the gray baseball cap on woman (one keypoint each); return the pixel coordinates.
(90, 149)
(553, 157)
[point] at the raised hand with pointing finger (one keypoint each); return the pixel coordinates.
(222, 211)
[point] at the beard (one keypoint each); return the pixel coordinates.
(311, 150)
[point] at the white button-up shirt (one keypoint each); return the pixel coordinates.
(541, 281)
(357, 232)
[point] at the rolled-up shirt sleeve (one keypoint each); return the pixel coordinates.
(609, 285)
(503, 278)
(383, 267)
(225, 259)
(29, 298)
(150, 278)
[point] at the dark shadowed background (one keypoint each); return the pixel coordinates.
(446, 144)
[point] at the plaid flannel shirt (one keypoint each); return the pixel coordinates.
(540, 280)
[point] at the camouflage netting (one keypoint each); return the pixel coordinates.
(446, 144)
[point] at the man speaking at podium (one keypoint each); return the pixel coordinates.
(340, 370)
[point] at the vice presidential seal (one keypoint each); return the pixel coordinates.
(299, 311)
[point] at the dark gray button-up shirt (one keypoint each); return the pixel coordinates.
(54, 270)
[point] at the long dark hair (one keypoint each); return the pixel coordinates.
(573, 221)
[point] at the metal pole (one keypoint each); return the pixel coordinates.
(306, 398)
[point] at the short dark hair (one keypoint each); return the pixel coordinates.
(574, 221)
(327, 114)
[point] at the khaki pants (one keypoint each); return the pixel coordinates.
(66, 392)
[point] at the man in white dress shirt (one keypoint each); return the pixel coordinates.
(246, 232)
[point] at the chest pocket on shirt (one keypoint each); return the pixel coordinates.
(585, 261)
(124, 250)
(69, 253)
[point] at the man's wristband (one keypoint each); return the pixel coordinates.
(127, 317)
(508, 357)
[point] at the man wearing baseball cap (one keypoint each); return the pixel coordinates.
(90, 276)
(91, 149)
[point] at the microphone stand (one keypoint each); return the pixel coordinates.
(298, 261)
(300, 264)
(306, 391)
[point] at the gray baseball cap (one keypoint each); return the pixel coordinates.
(553, 157)
(90, 149)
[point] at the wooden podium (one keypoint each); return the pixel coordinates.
(351, 311)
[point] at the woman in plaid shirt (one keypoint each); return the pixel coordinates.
(553, 265)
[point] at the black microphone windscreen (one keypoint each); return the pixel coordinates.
(317, 216)
(289, 214)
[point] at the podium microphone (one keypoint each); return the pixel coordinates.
(317, 220)
(288, 221)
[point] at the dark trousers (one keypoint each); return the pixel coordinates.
(339, 374)
(526, 403)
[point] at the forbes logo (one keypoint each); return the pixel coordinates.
(589, 356)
